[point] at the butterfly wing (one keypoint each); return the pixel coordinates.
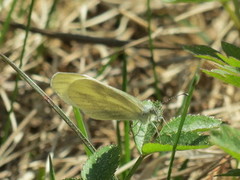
(97, 100)
(60, 83)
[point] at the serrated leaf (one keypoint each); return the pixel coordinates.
(190, 137)
(102, 164)
(231, 50)
(227, 138)
(192, 123)
(232, 172)
(186, 139)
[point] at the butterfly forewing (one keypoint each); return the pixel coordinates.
(103, 102)
(96, 99)
(60, 83)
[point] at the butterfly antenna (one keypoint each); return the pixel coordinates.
(174, 97)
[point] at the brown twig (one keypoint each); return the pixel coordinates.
(66, 37)
(71, 37)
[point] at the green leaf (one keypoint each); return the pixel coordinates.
(231, 50)
(52, 173)
(230, 60)
(40, 174)
(190, 137)
(210, 58)
(229, 69)
(224, 76)
(157, 147)
(143, 133)
(193, 123)
(186, 139)
(234, 62)
(232, 172)
(204, 52)
(227, 138)
(102, 164)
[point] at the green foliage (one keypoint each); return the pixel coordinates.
(81, 126)
(40, 174)
(144, 132)
(102, 164)
(231, 50)
(204, 52)
(227, 138)
(52, 173)
(227, 67)
(192, 123)
(227, 70)
(190, 138)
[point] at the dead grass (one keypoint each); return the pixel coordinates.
(36, 130)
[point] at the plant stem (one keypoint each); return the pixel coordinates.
(186, 105)
(50, 102)
(134, 168)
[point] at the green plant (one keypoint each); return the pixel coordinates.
(227, 66)
(227, 69)
(175, 135)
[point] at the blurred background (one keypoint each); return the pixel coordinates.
(97, 38)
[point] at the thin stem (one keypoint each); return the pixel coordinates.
(51, 103)
(237, 8)
(150, 41)
(53, 7)
(233, 16)
(134, 168)
(186, 105)
(127, 151)
(15, 92)
(81, 126)
(7, 22)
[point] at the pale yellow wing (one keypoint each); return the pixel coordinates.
(97, 100)
(60, 83)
